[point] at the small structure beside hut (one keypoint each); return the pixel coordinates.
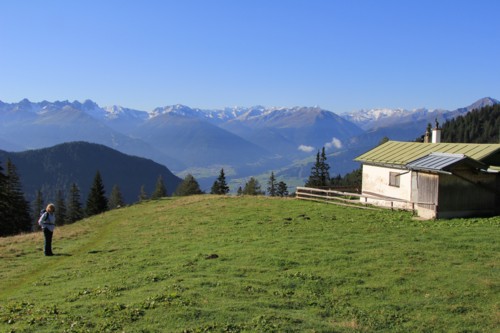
(437, 180)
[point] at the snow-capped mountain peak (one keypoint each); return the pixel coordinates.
(178, 109)
(116, 112)
(382, 117)
(363, 116)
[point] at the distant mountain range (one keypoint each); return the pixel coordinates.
(380, 118)
(245, 141)
(403, 125)
(57, 168)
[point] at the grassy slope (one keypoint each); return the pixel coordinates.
(281, 265)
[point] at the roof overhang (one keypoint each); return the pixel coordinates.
(387, 165)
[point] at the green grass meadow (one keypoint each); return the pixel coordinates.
(254, 264)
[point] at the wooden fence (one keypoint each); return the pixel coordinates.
(355, 199)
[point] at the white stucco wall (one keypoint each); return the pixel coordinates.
(376, 181)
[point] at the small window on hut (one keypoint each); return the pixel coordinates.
(394, 179)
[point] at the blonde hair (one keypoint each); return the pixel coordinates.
(50, 208)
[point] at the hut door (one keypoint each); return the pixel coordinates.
(428, 191)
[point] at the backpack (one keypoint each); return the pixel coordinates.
(40, 221)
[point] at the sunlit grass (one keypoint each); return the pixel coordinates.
(253, 264)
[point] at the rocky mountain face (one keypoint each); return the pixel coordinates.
(243, 140)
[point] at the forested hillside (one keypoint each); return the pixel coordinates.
(478, 126)
(54, 169)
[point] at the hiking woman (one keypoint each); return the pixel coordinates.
(48, 223)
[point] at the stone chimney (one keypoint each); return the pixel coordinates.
(436, 133)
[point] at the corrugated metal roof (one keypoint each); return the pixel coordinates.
(442, 161)
(402, 153)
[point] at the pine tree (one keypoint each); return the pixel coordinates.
(142, 194)
(352, 179)
(160, 190)
(324, 173)
(18, 210)
(252, 187)
(97, 202)
(4, 204)
(38, 205)
(272, 186)
(189, 186)
(320, 175)
(336, 180)
(116, 198)
(61, 210)
(239, 191)
(282, 189)
(74, 210)
(220, 186)
(315, 176)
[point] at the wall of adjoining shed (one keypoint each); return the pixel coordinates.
(467, 193)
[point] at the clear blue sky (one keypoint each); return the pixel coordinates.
(341, 55)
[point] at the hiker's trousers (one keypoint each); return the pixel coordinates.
(48, 241)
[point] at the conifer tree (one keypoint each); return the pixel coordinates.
(160, 189)
(324, 171)
(272, 188)
(352, 179)
(142, 194)
(97, 202)
(189, 186)
(38, 205)
(61, 210)
(220, 186)
(3, 201)
(116, 198)
(18, 210)
(74, 210)
(320, 175)
(282, 189)
(252, 187)
(314, 178)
